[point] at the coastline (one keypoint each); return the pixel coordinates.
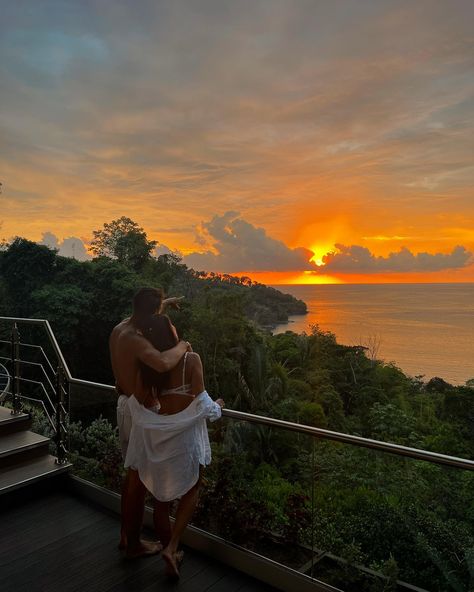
(424, 329)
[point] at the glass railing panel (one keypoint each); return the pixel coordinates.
(257, 491)
(385, 522)
(93, 443)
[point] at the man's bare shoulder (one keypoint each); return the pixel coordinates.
(125, 331)
(119, 327)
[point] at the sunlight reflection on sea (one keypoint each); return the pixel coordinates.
(423, 328)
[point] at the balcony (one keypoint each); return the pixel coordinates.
(242, 532)
(53, 540)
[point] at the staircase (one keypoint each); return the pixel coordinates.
(24, 455)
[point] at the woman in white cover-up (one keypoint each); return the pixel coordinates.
(169, 443)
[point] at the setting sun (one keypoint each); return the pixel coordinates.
(319, 252)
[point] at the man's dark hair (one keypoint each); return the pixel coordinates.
(146, 302)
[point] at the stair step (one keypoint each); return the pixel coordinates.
(6, 414)
(19, 442)
(30, 471)
(13, 423)
(7, 417)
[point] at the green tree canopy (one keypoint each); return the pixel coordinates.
(123, 240)
(26, 266)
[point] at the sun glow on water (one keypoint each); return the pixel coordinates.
(309, 277)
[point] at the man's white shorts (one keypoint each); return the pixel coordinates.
(124, 422)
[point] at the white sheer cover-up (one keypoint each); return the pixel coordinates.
(167, 450)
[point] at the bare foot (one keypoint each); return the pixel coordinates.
(173, 561)
(123, 541)
(144, 549)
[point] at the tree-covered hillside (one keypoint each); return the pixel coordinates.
(84, 300)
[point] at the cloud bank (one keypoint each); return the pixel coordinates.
(236, 245)
(68, 247)
(357, 259)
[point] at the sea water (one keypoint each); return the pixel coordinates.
(424, 329)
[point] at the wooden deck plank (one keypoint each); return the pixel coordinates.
(58, 543)
(207, 577)
(41, 525)
(153, 577)
(57, 557)
(256, 586)
(231, 582)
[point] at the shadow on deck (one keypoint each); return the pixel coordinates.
(57, 542)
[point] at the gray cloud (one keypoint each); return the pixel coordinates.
(68, 247)
(237, 246)
(357, 259)
(162, 249)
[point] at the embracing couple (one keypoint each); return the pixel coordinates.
(161, 413)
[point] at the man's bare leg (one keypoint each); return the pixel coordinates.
(132, 518)
(123, 506)
(187, 505)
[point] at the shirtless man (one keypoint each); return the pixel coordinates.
(128, 348)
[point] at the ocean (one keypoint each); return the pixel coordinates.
(425, 329)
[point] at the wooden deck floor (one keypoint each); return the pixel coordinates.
(59, 543)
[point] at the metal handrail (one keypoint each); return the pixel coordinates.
(39, 383)
(397, 449)
(40, 402)
(51, 337)
(32, 346)
(30, 363)
(8, 377)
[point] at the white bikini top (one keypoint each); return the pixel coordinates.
(184, 389)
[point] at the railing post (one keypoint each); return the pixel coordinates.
(15, 359)
(60, 444)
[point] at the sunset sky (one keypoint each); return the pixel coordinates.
(255, 137)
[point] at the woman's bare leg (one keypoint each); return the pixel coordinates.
(161, 520)
(187, 505)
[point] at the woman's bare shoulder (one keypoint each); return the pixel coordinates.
(193, 358)
(194, 361)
